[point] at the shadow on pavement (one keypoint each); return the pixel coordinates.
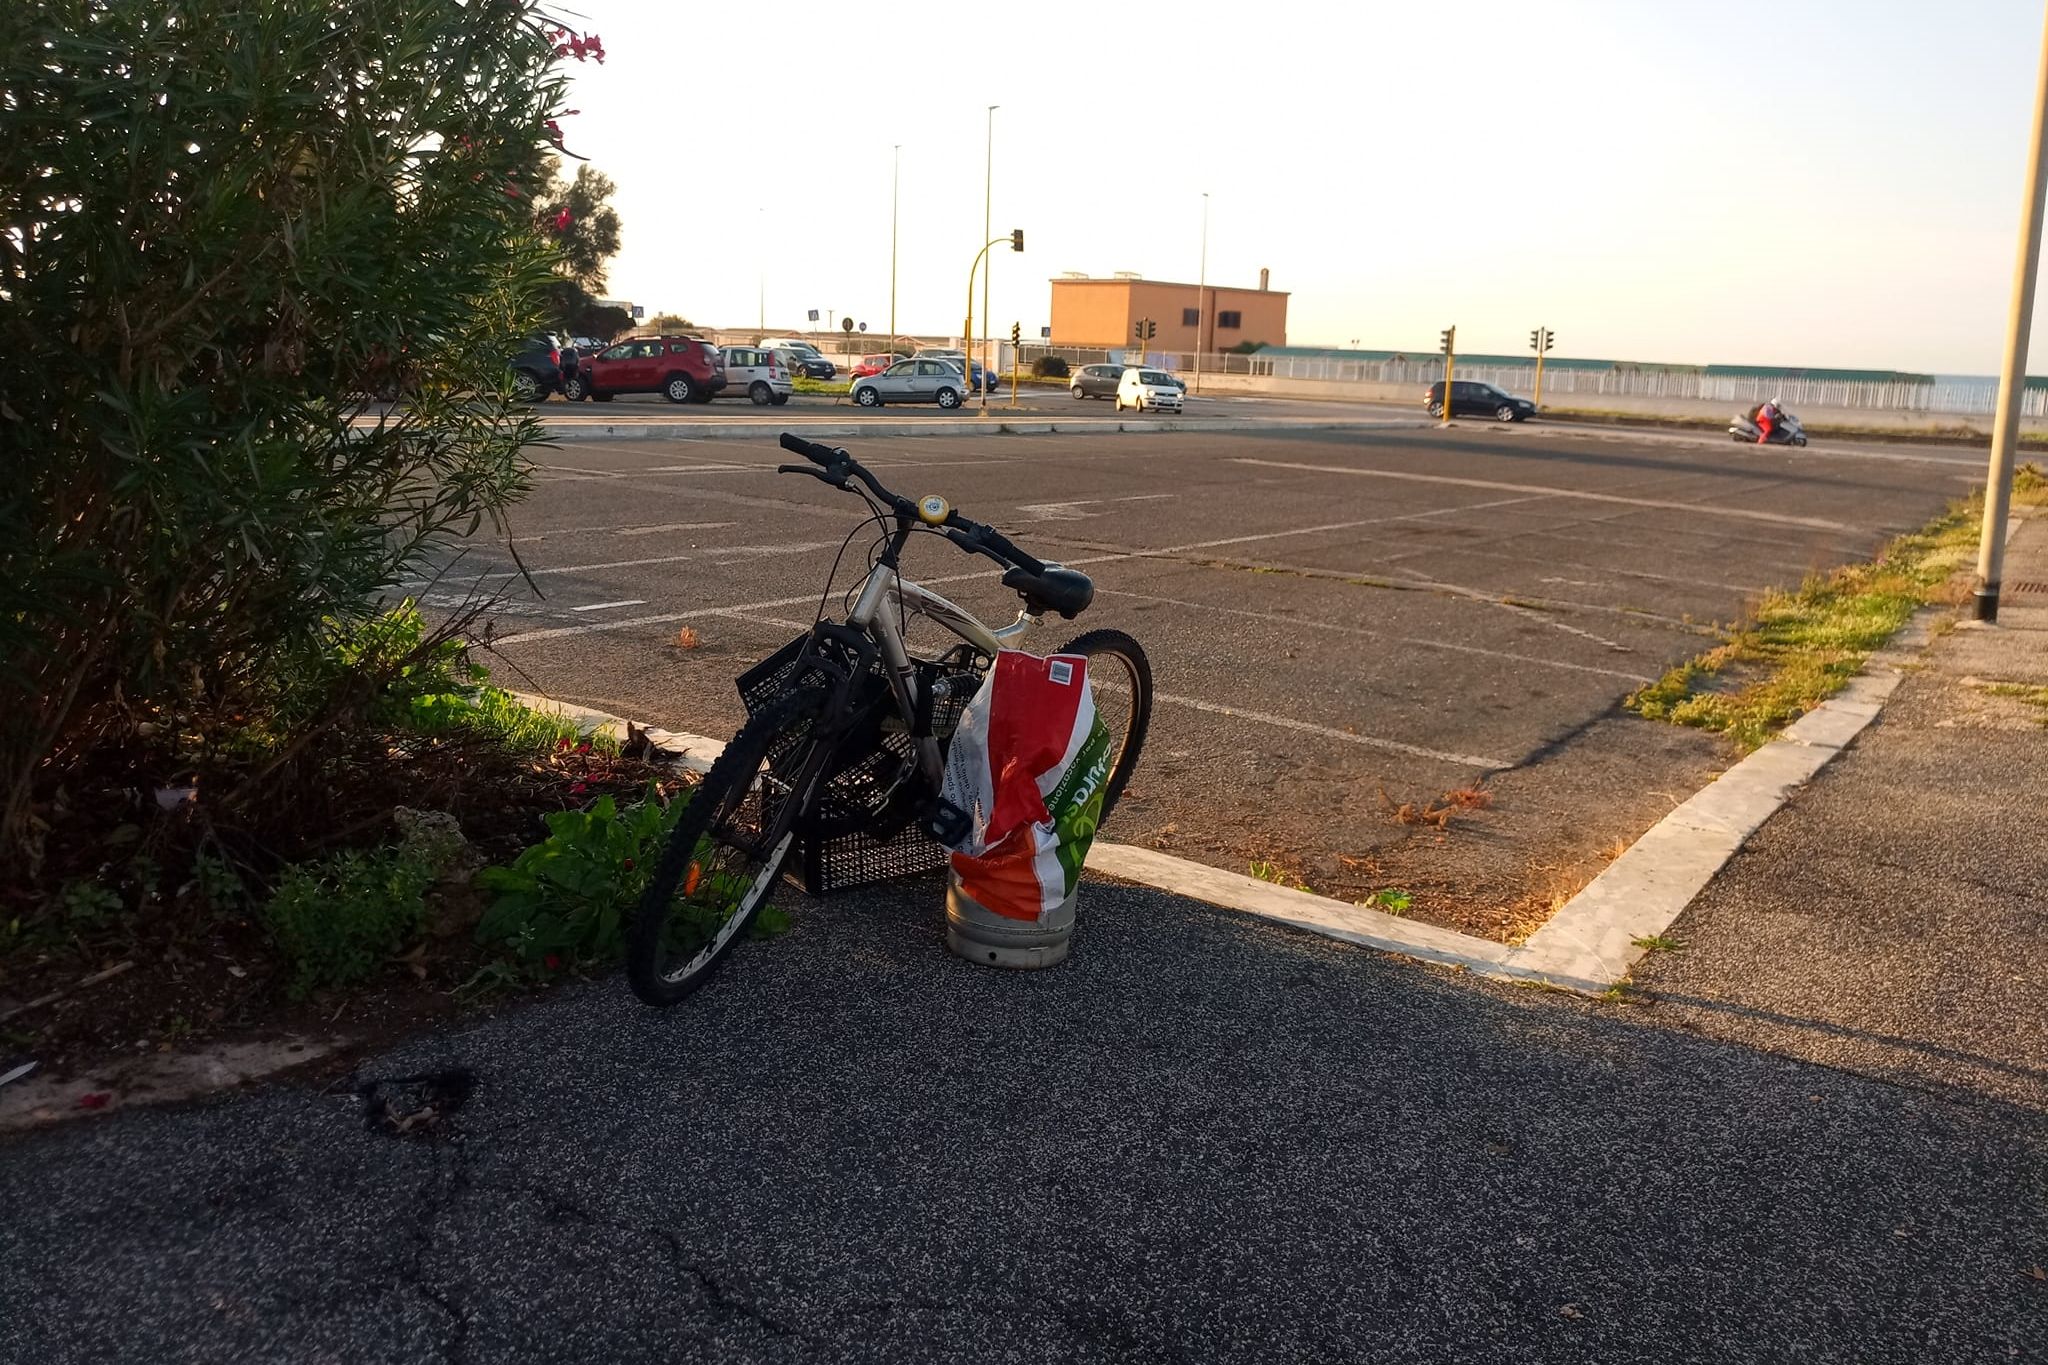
(1204, 1139)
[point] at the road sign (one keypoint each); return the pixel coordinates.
(863, 326)
(1045, 331)
(846, 324)
(639, 310)
(814, 315)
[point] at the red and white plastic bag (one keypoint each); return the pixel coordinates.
(1028, 764)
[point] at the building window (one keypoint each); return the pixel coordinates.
(1232, 320)
(1191, 317)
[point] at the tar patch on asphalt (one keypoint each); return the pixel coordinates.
(416, 1107)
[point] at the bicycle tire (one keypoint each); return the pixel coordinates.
(1130, 656)
(713, 814)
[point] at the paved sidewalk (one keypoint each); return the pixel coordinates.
(1893, 919)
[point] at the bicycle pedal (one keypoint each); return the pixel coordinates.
(943, 822)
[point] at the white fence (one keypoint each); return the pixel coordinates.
(1963, 398)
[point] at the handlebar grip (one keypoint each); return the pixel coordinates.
(810, 450)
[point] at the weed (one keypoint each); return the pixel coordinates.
(2031, 695)
(688, 638)
(1279, 876)
(1469, 798)
(1802, 646)
(218, 884)
(1658, 943)
(88, 904)
(336, 920)
(1390, 899)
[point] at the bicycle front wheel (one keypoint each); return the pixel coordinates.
(724, 854)
(1121, 677)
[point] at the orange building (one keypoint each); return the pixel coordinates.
(1092, 312)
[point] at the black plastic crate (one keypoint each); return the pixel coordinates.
(840, 863)
(844, 850)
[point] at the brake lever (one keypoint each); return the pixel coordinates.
(820, 475)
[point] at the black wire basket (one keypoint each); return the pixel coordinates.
(862, 830)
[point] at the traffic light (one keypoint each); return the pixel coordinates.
(1535, 338)
(1016, 239)
(1138, 330)
(1151, 329)
(1549, 338)
(1450, 339)
(1016, 334)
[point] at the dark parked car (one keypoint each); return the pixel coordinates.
(685, 369)
(803, 359)
(536, 368)
(1095, 381)
(1470, 398)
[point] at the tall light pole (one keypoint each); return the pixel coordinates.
(895, 183)
(988, 180)
(1202, 293)
(761, 278)
(2012, 378)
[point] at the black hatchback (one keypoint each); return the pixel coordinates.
(1470, 398)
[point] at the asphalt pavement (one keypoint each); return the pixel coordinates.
(1341, 622)
(1203, 1139)
(1894, 917)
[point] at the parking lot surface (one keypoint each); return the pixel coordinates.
(1341, 623)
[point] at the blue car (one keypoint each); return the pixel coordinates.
(976, 379)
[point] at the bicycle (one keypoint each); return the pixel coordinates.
(847, 731)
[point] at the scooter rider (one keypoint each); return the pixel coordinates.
(1766, 418)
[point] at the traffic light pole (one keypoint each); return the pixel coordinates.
(1450, 364)
(1016, 241)
(1016, 357)
(1542, 345)
(2012, 379)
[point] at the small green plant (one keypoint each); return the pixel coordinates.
(1279, 876)
(218, 884)
(1658, 943)
(336, 920)
(88, 904)
(1389, 899)
(566, 898)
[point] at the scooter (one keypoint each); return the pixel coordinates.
(1786, 431)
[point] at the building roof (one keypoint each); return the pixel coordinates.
(1173, 284)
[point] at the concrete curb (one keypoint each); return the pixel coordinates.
(164, 1078)
(1590, 945)
(817, 428)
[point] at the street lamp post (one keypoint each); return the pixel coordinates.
(987, 200)
(2012, 378)
(1202, 293)
(895, 185)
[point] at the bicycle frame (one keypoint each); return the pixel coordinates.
(879, 613)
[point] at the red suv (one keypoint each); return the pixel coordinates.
(685, 369)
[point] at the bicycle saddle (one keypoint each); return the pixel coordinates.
(1066, 591)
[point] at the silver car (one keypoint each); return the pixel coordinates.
(758, 373)
(912, 381)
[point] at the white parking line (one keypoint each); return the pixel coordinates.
(1661, 504)
(1347, 736)
(1408, 640)
(607, 606)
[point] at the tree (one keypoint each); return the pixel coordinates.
(671, 322)
(579, 219)
(222, 220)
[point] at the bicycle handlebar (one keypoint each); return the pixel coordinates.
(836, 466)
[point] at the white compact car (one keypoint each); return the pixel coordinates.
(758, 373)
(1148, 391)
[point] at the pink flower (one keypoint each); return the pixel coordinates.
(563, 743)
(562, 221)
(554, 132)
(579, 788)
(584, 747)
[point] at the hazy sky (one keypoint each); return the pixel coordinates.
(1820, 182)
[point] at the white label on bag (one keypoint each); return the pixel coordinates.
(1060, 671)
